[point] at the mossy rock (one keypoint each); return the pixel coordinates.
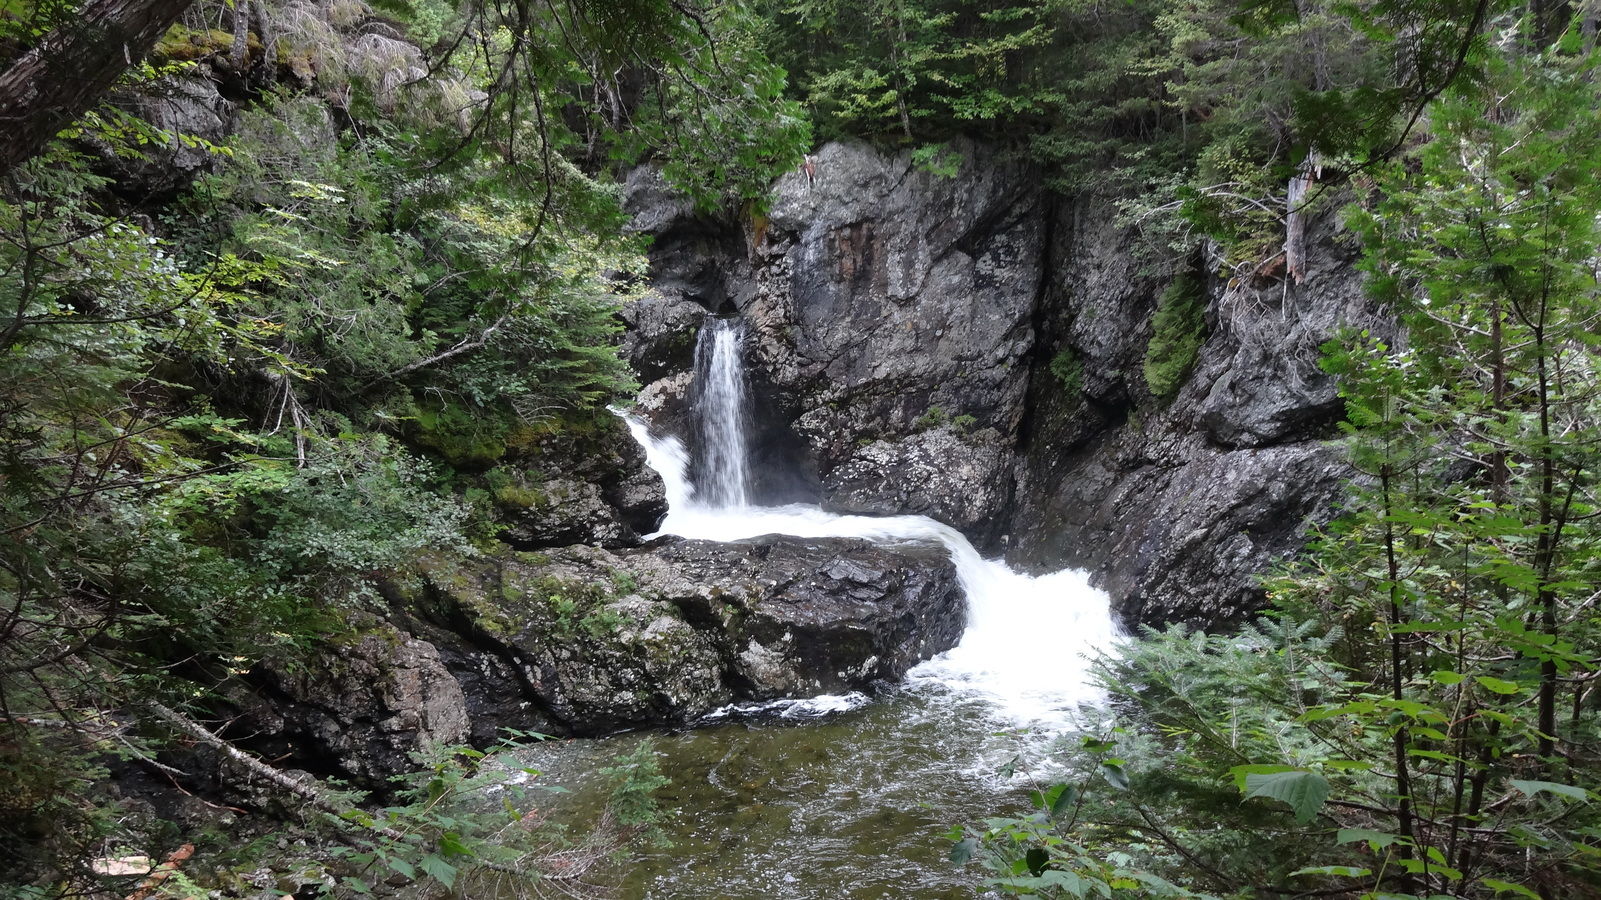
(465, 437)
(183, 44)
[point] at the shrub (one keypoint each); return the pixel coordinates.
(1177, 330)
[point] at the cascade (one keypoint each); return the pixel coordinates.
(721, 414)
(1024, 652)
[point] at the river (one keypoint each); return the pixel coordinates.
(846, 797)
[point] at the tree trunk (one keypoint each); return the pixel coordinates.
(49, 86)
(239, 53)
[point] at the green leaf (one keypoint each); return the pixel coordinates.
(1063, 801)
(439, 870)
(963, 850)
(1115, 776)
(1347, 871)
(400, 867)
(1037, 859)
(1056, 799)
(1504, 887)
(1496, 685)
(1240, 772)
(1569, 791)
(1303, 791)
(1419, 866)
(450, 844)
(1445, 676)
(1344, 764)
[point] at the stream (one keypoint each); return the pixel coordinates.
(845, 796)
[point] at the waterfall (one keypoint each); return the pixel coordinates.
(1025, 651)
(722, 414)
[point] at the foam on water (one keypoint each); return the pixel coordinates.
(1025, 651)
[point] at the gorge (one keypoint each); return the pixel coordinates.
(900, 448)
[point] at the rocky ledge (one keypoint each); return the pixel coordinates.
(585, 640)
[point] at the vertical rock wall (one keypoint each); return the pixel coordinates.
(904, 326)
(1177, 506)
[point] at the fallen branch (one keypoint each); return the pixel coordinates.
(311, 794)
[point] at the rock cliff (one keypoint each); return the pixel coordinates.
(970, 348)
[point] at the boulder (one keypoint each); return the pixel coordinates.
(361, 705)
(578, 485)
(601, 640)
(806, 616)
(945, 473)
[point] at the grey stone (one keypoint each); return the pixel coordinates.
(941, 473)
(363, 705)
(567, 511)
(903, 328)
(1179, 510)
(601, 640)
(188, 106)
(881, 296)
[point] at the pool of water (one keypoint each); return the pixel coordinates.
(798, 804)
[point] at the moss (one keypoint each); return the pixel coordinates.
(512, 492)
(183, 44)
(602, 622)
(623, 582)
(465, 437)
(934, 418)
(1177, 330)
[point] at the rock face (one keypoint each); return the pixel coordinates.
(362, 706)
(585, 640)
(884, 301)
(970, 349)
(1178, 506)
(579, 487)
(184, 107)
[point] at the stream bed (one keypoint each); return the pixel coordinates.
(837, 798)
(843, 797)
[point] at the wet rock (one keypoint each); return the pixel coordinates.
(942, 473)
(579, 485)
(1178, 508)
(972, 349)
(802, 617)
(602, 640)
(881, 297)
(565, 511)
(1184, 535)
(362, 705)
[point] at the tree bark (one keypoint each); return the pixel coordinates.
(54, 83)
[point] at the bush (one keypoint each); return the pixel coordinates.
(1177, 331)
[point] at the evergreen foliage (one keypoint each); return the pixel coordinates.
(1416, 718)
(226, 414)
(1178, 327)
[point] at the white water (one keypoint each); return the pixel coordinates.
(720, 379)
(1025, 652)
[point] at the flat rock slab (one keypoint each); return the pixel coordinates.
(601, 640)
